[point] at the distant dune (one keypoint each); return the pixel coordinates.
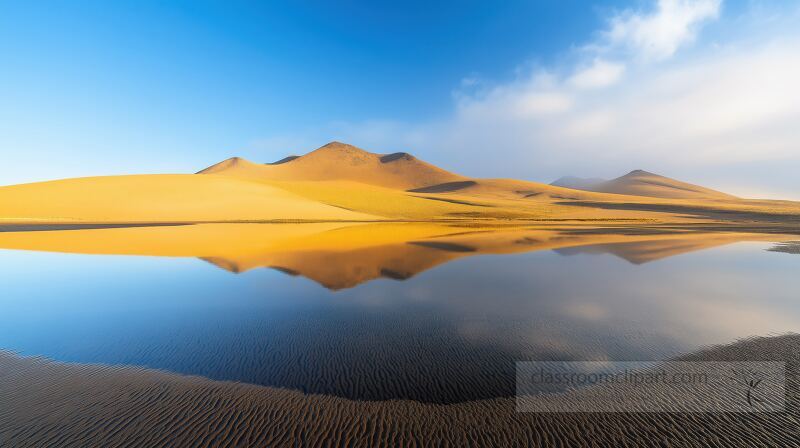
(642, 183)
(339, 182)
(579, 183)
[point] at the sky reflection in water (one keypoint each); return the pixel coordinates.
(446, 334)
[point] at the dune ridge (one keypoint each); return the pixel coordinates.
(340, 161)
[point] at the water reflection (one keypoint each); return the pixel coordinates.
(448, 334)
(339, 256)
(789, 247)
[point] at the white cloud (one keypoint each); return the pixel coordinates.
(722, 107)
(541, 103)
(600, 74)
(660, 34)
(727, 105)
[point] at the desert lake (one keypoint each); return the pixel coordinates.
(433, 314)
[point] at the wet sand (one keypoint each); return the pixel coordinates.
(45, 403)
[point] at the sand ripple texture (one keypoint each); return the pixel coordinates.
(49, 404)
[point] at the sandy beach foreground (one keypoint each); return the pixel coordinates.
(45, 403)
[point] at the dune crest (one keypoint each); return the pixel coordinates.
(340, 161)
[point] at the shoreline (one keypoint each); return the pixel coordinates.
(95, 405)
(644, 223)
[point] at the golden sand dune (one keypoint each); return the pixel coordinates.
(642, 183)
(399, 171)
(79, 405)
(160, 198)
(339, 161)
(338, 255)
(399, 186)
(339, 182)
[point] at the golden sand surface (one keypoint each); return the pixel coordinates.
(159, 198)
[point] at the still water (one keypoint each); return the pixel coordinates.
(436, 315)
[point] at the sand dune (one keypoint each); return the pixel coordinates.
(340, 182)
(344, 255)
(642, 183)
(160, 198)
(74, 405)
(383, 185)
(339, 161)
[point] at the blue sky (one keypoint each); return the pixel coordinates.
(92, 88)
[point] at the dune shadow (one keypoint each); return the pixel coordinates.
(395, 156)
(454, 201)
(694, 211)
(283, 160)
(444, 187)
(448, 247)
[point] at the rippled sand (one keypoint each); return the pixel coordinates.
(44, 403)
